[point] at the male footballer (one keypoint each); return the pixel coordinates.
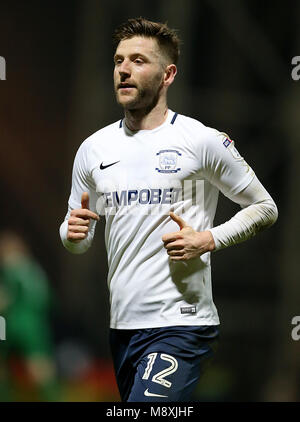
(155, 176)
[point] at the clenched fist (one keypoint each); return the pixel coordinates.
(187, 243)
(78, 223)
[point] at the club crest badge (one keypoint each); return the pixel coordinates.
(168, 161)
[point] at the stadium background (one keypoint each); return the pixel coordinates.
(235, 75)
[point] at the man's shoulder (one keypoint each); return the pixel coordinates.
(103, 133)
(196, 128)
(96, 140)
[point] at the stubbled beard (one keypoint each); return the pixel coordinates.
(145, 98)
(133, 103)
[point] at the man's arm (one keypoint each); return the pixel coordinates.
(223, 167)
(259, 212)
(77, 231)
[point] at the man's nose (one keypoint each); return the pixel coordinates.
(124, 69)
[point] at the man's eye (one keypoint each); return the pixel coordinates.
(138, 61)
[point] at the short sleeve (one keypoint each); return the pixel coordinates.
(222, 164)
(82, 180)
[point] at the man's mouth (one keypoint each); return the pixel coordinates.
(124, 85)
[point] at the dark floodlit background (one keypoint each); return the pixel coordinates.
(234, 75)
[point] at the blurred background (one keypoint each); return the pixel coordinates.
(234, 75)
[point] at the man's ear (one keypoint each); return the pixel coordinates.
(170, 73)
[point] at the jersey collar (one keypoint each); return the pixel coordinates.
(169, 120)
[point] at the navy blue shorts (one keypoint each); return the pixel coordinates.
(161, 364)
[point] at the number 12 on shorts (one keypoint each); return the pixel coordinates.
(159, 378)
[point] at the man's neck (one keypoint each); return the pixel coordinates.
(144, 119)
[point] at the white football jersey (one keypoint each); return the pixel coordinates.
(134, 179)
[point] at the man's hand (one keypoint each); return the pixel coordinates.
(78, 223)
(187, 243)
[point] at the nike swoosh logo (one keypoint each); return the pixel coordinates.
(148, 394)
(102, 167)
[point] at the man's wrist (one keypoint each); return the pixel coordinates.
(206, 242)
(211, 241)
(73, 247)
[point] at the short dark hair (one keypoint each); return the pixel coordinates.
(167, 38)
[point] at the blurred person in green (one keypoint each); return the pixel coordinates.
(27, 367)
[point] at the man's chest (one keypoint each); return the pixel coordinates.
(144, 163)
